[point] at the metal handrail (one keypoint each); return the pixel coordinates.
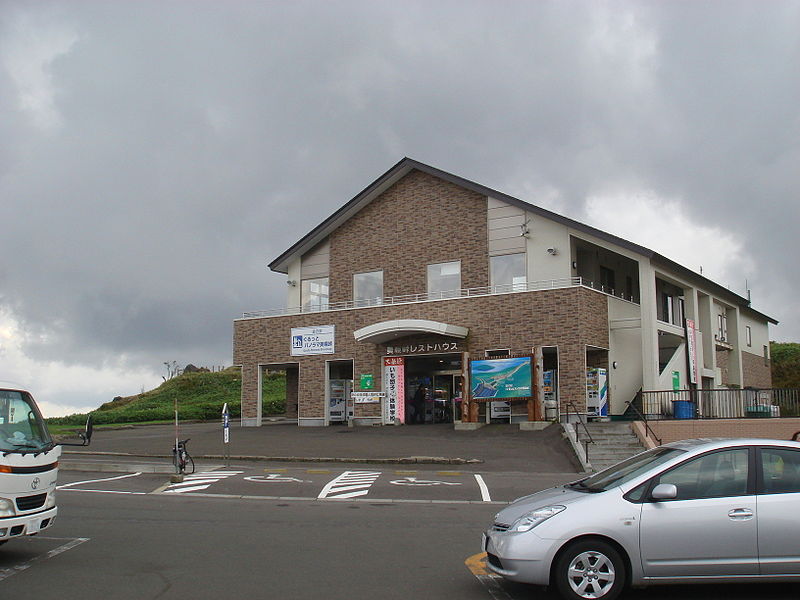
(643, 418)
(572, 409)
(512, 288)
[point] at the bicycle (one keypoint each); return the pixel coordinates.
(181, 458)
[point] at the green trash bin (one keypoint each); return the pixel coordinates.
(758, 411)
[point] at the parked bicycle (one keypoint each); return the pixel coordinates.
(183, 461)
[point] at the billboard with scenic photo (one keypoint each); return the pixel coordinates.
(499, 378)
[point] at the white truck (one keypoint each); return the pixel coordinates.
(28, 466)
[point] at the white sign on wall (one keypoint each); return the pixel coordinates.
(307, 341)
(691, 349)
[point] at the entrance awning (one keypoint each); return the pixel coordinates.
(378, 333)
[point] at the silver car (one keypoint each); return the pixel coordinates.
(694, 511)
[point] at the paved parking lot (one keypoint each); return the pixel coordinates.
(323, 483)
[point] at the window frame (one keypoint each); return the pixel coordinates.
(650, 484)
(511, 286)
(761, 489)
(374, 301)
(307, 306)
(448, 293)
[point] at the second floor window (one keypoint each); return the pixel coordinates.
(722, 327)
(444, 277)
(368, 288)
(507, 272)
(314, 294)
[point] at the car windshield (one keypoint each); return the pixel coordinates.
(626, 470)
(22, 428)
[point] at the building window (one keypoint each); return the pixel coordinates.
(444, 279)
(498, 353)
(368, 288)
(608, 280)
(766, 356)
(314, 294)
(507, 272)
(748, 335)
(722, 327)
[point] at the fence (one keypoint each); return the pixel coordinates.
(720, 404)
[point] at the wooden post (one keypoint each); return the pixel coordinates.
(466, 396)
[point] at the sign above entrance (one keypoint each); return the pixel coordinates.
(308, 341)
(425, 348)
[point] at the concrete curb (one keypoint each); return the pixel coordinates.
(403, 460)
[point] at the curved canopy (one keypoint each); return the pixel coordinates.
(378, 333)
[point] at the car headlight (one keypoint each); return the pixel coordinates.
(530, 520)
(6, 508)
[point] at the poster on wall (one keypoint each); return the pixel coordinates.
(308, 341)
(394, 379)
(691, 349)
(501, 378)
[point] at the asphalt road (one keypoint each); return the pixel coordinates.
(120, 535)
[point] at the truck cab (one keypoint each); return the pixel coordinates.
(28, 467)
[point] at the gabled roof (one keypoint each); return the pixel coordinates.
(406, 165)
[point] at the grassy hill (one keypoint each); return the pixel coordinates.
(200, 396)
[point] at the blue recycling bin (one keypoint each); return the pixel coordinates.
(683, 409)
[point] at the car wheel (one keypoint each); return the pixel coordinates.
(590, 569)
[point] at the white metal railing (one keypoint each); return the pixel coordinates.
(511, 288)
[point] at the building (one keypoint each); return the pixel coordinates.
(424, 272)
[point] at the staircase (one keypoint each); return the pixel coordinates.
(613, 441)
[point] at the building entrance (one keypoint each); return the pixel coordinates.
(433, 389)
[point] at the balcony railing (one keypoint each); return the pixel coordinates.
(721, 404)
(511, 288)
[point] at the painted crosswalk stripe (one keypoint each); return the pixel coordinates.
(349, 484)
(199, 481)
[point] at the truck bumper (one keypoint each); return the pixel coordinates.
(11, 527)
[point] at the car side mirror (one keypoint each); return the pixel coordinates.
(664, 491)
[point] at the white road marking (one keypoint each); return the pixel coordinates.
(484, 488)
(352, 483)
(67, 485)
(276, 477)
(199, 481)
(424, 482)
(5, 573)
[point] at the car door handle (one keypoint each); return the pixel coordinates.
(741, 513)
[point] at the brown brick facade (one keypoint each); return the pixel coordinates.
(418, 221)
(569, 319)
(756, 371)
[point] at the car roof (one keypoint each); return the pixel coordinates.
(703, 444)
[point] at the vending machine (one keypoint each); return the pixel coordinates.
(550, 394)
(338, 396)
(597, 392)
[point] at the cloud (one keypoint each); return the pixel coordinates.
(156, 155)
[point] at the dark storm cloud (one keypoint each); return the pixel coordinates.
(188, 144)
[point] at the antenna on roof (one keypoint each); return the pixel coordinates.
(747, 287)
(701, 269)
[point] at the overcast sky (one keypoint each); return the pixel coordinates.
(154, 156)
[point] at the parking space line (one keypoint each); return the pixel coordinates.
(484, 488)
(5, 573)
(67, 485)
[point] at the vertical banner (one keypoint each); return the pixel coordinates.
(691, 350)
(394, 377)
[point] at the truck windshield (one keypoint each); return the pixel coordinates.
(22, 428)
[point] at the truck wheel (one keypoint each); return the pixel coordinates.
(590, 570)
